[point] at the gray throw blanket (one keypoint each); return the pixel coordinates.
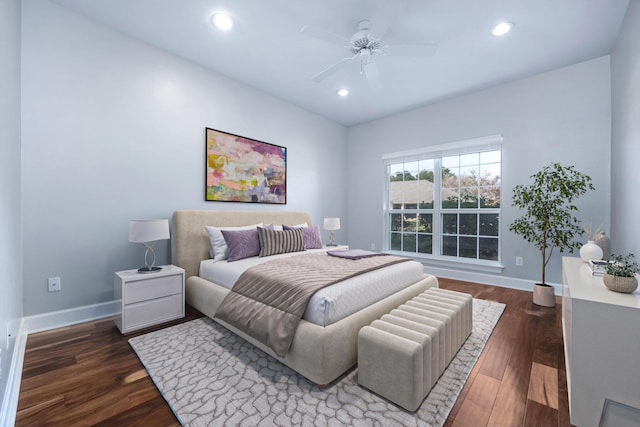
(269, 299)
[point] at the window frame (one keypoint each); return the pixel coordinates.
(436, 154)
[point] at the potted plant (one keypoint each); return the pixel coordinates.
(548, 220)
(621, 274)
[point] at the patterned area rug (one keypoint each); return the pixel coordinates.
(211, 377)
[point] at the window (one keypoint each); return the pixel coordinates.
(445, 202)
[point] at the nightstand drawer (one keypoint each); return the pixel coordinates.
(154, 287)
(153, 311)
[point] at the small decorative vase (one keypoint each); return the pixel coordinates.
(603, 241)
(590, 251)
(624, 285)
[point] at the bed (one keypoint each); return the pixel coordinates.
(319, 352)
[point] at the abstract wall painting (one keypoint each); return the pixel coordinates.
(240, 169)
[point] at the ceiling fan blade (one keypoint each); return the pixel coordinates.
(386, 16)
(332, 69)
(322, 34)
(421, 50)
(372, 73)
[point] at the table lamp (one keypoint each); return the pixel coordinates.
(331, 224)
(148, 232)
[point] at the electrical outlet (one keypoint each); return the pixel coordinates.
(519, 261)
(54, 284)
(373, 246)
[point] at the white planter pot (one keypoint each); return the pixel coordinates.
(543, 295)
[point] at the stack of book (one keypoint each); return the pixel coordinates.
(598, 267)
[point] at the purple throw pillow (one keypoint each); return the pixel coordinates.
(312, 237)
(242, 243)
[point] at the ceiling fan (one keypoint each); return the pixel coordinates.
(366, 44)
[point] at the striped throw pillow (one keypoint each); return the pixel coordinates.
(273, 242)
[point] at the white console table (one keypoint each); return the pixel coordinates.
(601, 331)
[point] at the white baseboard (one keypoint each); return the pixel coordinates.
(71, 316)
(487, 279)
(12, 390)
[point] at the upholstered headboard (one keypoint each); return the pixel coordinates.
(189, 240)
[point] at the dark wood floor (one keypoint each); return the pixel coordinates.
(88, 375)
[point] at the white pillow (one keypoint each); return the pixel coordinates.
(219, 250)
(279, 227)
(303, 225)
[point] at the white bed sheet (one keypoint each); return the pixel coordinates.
(332, 303)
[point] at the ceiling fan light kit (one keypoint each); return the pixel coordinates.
(362, 40)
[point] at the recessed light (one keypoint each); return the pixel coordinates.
(343, 92)
(501, 28)
(222, 21)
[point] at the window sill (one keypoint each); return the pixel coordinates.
(451, 262)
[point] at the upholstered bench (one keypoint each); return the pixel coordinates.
(402, 355)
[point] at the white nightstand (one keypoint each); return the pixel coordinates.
(149, 298)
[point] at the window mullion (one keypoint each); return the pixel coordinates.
(437, 214)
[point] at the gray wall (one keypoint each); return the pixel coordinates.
(559, 116)
(10, 242)
(113, 129)
(625, 139)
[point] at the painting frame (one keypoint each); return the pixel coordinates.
(244, 170)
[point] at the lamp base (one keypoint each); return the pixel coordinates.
(149, 269)
(331, 244)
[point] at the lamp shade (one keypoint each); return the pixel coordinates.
(332, 224)
(148, 230)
